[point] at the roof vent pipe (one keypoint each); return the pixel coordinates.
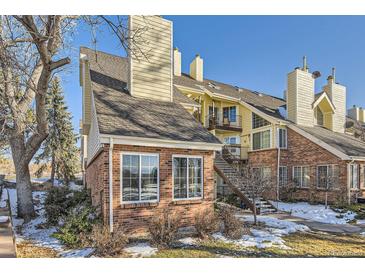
(305, 67)
(334, 74)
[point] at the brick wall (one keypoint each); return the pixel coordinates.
(303, 152)
(136, 217)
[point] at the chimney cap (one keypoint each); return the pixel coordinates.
(316, 74)
(176, 48)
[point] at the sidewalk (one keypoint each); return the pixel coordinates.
(7, 248)
(331, 228)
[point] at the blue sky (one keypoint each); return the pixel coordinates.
(254, 52)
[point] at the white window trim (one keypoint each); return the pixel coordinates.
(287, 177)
(261, 130)
(121, 177)
(278, 138)
(358, 177)
(328, 166)
(301, 176)
(201, 175)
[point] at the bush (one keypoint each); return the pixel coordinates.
(104, 242)
(60, 200)
(79, 222)
(163, 228)
(233, 227)
(206, 223)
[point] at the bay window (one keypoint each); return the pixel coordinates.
(187, 177)
(261, 140)
(139, 177)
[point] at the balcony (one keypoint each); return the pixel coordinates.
(232, 123)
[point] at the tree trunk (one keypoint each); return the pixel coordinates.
(25, 208)
(53, 167)
(254, 213)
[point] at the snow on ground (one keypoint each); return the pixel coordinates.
(77, 253)
(187, 241)
(4, 219)
(35, 230)
(360, 222)
(140, 250)
(75, 187)
(3, 198)
(316, 213)
(268, 236)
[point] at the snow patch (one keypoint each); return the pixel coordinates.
(4, 219)
(77, 253)
(316, 213)
(188, 241)
(141, 250)
(360, 222)
(270, 235)
(75, 187)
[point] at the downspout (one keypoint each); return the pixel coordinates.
(278, 168)
(348, 182)
(111, 183)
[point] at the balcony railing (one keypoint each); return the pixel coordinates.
(234, 152)
(220, 122)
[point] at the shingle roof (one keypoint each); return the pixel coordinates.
(265, 103)
(118, 113)
(341, 141)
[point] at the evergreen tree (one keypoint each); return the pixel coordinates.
(59, 149)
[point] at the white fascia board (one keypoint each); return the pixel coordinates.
(195, 90)
(357, 158)
(151, 142)
(319, 99)
(319, 142)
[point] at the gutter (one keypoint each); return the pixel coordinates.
(111, 183)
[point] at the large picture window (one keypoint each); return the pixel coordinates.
(301, 176)
(188, 177)
(140, 177)
(261, 140)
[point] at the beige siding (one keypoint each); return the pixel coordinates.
(300, 97)
(151, 65)
(93, 140)
(337, 94)
(86, 98)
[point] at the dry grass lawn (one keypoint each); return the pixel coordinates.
(27, 249)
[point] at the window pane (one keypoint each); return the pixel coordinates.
(282, 138)
(265, 139)
(130, 184)
(297, 176)
(256, 140)
(232, 114)
(180, 177)
(195, 180)
(354, 176)
(149, 169)
(283, 175)
(258, 121)
(305, 176)
(322, 175)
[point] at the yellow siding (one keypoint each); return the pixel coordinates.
(151, 70)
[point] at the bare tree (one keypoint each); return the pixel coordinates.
(328, 180)
(255, 183)
(32, 50)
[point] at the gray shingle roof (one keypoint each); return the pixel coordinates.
(118, 113)
(341, 141)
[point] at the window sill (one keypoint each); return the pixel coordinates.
(187, 202)
(138, 205)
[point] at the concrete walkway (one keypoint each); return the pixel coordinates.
(331, 228)
(7, 248)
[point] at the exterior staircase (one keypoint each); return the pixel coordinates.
(233, 179)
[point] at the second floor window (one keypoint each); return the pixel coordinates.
(261, 140)
(230, 113)
(258, 121)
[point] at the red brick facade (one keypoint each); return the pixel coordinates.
(136, 217)
(303, 152)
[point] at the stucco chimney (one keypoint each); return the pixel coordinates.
(196, 68)
(300, 95)
(177, 62)
(337, 94)
(151, 67)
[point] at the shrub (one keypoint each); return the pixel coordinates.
(79, 221)
(60, 200)
(104, 242)
(206, 222)
(233, 227)
(163, 228)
